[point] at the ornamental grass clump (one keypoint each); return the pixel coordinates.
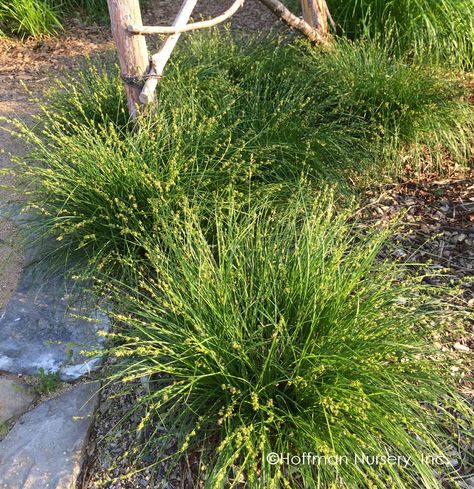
(283, 334)
(42, 18)
(93, 95)
(232, 115)
(97, 190)
(440, 31)
(25, 18)
(415, 115)
(355, 107)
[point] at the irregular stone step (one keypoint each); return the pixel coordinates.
(45, 448)
(15, 398)
(40, 328)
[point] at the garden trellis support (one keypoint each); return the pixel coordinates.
(316, 14)
(131, 49)
(141, 74)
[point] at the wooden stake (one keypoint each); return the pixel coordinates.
(131, 48)
(315, 13)
(159, 60)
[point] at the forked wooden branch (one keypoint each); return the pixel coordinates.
(295, 22)
(180, 25)
(159, 60)
(146, 29)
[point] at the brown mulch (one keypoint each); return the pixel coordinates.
(252, 17)
(36, 62)
(111, 460)
(439, 216)
(436, 216)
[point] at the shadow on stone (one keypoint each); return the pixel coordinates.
(44, 326)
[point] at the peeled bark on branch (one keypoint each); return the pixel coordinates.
(295, 22)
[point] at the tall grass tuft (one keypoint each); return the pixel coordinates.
(25, 18)
(434, 30)
(97, 190)
(414, 113)
(92, 94)
(39, 18)
(286, 335)
(231, 117)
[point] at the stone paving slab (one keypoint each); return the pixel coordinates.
(15, 398)
(45, 449)
(41, 327)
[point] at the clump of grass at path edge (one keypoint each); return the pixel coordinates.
(232, 116)
(39, 18)
(285, 334)
(440, 31)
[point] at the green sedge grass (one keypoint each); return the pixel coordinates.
(433, 31)
(250, 114)
(285, 334)
(40, 18)
(25, 18)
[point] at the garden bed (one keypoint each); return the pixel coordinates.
(438, 217)
(251, 131)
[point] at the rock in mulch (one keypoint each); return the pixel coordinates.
(15, 398)
(45, 448)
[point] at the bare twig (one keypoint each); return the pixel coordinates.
(135, 29)
(293, 21)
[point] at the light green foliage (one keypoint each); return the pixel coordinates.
(415, 112)
(430, 30)
(231, 117)
(92, 94)
(38, 18)
(47, 382)
(285, 334)
(29, 18)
